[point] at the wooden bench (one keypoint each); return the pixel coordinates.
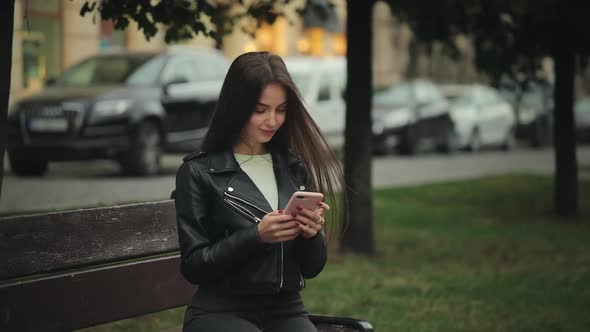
(70, 270)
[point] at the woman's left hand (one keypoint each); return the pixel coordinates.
(311, 222)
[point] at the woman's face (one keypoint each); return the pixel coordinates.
(268, 116)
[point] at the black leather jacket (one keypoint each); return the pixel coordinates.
(218, 208)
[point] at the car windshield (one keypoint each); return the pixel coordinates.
(459, 97)
(110, 69)
(399, 95)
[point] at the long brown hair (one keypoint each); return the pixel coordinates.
(247, 77)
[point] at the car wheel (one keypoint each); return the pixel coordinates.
(390, 144)
(144, 157)
(26, 167)
(408, 142)
(474, 141)
(451, 142)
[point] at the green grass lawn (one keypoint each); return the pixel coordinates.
(477, 255)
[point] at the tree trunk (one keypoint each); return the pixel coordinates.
(566, 172)
(358, 237)
(6, 16)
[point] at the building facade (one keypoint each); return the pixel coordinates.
(50, 36)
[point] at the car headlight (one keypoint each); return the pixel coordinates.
(111, 107)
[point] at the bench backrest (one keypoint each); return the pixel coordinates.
(71, 270)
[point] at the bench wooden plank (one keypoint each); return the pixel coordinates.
(78, 299)
(57, 241)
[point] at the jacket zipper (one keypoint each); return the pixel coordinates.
(242, 210)
(245, 202)
(281, 283)
(257, 220)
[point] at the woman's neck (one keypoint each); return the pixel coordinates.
(242, 148)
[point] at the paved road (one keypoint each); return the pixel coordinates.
(79, 185)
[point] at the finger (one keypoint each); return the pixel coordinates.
(324, 206)
(274, 213)
(284, 225)
(307, 230)
(287, 232)
(312, 215)
(280, 218)
(309, 223)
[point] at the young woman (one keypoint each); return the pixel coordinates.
(249, 258)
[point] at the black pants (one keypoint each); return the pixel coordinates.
(211, 311)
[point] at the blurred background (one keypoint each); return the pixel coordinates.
(466, 236)
(127, 106)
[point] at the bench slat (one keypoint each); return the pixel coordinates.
(57, 241)
(75, 300)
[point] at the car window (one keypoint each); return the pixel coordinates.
(461, 98)
(195, 68)
(427, 93)
(209, 68)
(180, 69)
(112, 69)
(148, 73)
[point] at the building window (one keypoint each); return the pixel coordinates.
(41, 42)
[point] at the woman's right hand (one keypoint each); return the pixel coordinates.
(277, 227)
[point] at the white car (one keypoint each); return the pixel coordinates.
(481, 117)
(321, 82)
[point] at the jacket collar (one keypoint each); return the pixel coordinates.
(224, 161)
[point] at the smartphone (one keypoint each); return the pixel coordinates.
(305, 199)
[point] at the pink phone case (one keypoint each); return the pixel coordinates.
(307, 200)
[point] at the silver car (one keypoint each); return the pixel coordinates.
(481, 117)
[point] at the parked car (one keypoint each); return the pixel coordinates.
(533, 104)
(582, 119)
(411, 116)
(129, 107)
(321, 82)
(481, 117)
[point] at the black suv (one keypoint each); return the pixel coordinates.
(129, 107)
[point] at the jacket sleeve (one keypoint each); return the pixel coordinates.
(315, 255)
(315, 249)
(201, 259)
